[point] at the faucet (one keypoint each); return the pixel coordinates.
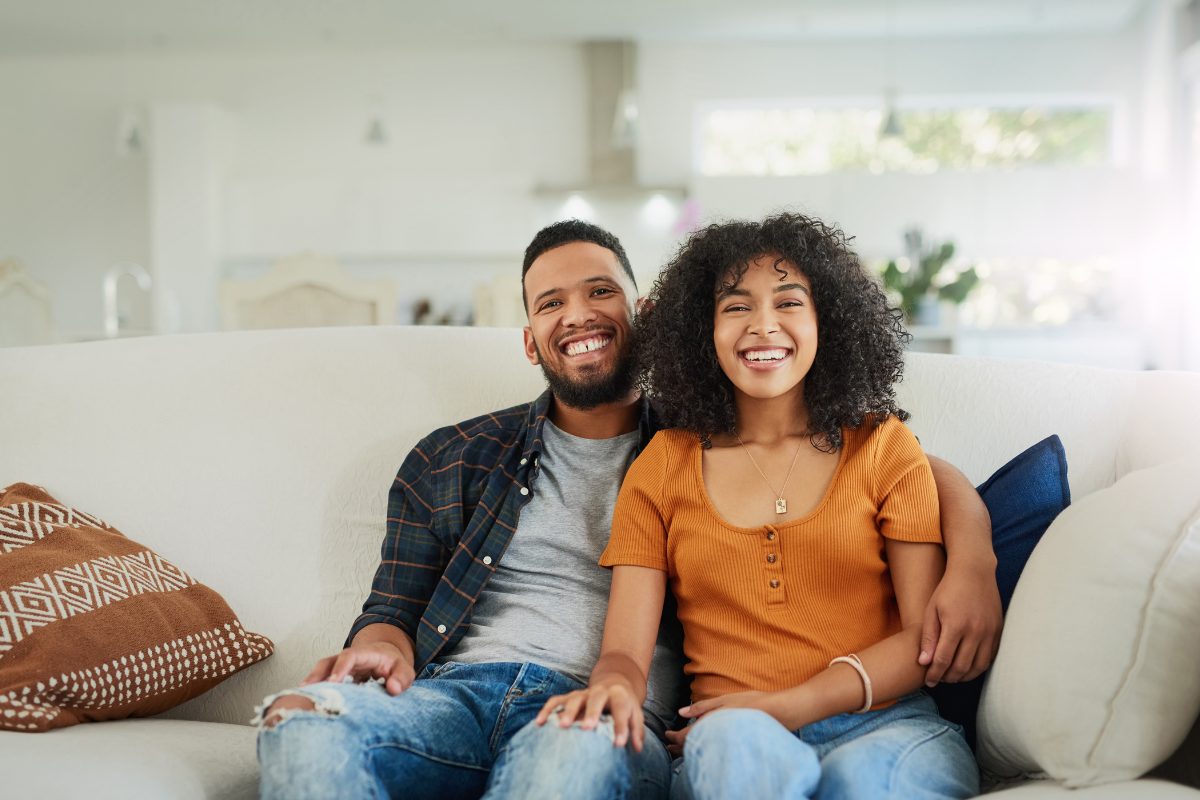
(112, 322)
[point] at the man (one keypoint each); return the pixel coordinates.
(488, 598)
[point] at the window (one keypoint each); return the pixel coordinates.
(1017, 293)
(785, 141)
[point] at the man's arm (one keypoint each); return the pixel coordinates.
(961, 631)
(412, 559)
(379, 650)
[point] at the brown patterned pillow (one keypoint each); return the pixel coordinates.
(94, 626)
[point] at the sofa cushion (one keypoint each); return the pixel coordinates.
(133, 758)
(95, 626)
(1023, 497)
(1184, 764)
(1144, 789)
(1096, 678)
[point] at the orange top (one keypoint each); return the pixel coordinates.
(752, 622)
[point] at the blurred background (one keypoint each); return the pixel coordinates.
(1023, 174)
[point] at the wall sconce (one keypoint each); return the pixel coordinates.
(131, 134)
(376, 135)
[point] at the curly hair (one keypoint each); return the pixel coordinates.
(860, 338)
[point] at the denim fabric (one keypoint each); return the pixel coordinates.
(905, 751)
(459, 731)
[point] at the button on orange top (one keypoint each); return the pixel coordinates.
(750, 626)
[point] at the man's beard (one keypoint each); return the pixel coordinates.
(592, 391)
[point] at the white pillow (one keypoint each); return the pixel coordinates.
(1098, 674)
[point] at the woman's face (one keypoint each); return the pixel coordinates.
(765, 329)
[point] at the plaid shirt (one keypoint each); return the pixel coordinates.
(452, 511)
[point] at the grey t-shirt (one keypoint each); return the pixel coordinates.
(547, 601)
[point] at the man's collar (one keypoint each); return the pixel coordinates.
(539, 412)
(535, 423)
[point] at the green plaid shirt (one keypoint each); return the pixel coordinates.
(452, 511)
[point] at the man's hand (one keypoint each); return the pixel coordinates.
(376, 659)
(961, 632)
(676, 739)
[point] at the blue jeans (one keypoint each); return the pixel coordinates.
(905, 751)
(459, 731)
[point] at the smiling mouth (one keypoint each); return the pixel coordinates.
(590, 344)
(763, 357)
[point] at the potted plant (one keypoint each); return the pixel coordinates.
(927, 281)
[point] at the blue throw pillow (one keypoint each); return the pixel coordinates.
(1023, 497)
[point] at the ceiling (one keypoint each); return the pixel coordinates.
(99, 26)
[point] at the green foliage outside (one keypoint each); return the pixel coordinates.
(927, 275)
(813, 141)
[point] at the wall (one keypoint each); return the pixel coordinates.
(505, 118)
(452, 199)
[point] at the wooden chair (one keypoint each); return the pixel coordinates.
(25, 315)
(306, 291)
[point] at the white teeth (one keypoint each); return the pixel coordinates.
(764, 355)
(587, 345)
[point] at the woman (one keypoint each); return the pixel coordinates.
(796, 520)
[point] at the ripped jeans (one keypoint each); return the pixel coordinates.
(459, 731)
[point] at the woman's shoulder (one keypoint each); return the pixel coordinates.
(666, 448)
(673, 441)
(666, 452)
(881, 435)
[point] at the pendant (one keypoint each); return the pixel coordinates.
(780, 506)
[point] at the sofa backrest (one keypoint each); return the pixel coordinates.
(260, 462)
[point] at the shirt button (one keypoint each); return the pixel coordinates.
(524, 490)
(771, 558)
(774, 583)
(770, 536)
(524, 461)
(441, 628)
(487, 559)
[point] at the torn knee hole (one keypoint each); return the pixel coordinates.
(281, 707)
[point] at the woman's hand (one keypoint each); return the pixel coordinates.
(769, 702)
(586, 705)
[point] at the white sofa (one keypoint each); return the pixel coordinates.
(260, 462)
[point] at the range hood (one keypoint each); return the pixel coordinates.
(611, 125)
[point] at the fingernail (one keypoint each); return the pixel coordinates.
(686, 709)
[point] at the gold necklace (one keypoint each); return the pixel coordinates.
(780, 503)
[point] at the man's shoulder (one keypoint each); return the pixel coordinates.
(502, 428)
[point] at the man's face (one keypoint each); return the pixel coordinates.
(580, 304)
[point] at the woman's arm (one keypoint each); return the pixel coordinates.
(891, 663)
(618, 681)
(963, 617)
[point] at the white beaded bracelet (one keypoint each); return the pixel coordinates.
(854, 661)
